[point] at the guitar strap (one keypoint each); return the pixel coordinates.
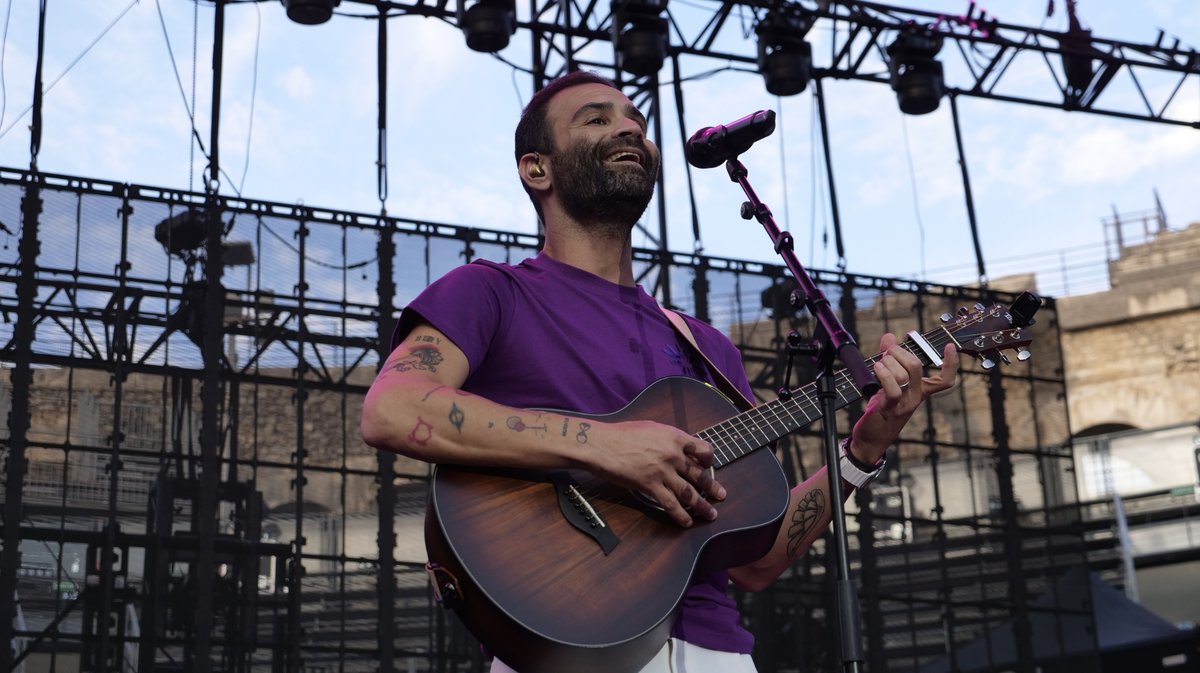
(723, 383)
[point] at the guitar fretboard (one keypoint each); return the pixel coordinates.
(758, 427)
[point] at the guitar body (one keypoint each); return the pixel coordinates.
(538, 588)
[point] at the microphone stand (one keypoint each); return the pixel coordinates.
(833, 343)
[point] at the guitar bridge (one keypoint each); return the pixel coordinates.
(580, 514)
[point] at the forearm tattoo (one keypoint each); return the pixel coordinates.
(540, 426)
(422, 433)
(516, 424)
(804, 520)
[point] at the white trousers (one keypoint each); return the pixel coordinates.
(679, 656)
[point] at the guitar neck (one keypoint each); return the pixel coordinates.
(766, 423)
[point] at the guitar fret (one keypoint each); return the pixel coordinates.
(766, 423)
(779, 425)
(742, 419)
(720, 443)
(768, 437)
(717, 444)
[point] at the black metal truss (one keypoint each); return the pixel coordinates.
(979, 51)
(983, 47)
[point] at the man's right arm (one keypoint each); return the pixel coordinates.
(417, 407)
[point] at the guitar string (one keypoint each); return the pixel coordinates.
(723, 433)
(780, 425)
(726, 441)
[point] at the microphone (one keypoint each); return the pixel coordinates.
(711, 146)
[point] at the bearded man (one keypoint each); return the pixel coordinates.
(571, 329)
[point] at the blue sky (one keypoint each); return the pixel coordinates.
(302, 101)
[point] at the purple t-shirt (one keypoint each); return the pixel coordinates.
(546, 334)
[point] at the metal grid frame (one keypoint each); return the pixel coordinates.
(107, 374)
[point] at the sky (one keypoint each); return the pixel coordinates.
(299, 111)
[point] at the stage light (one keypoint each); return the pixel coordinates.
(488, 24)
(1078, 55)
(310, 12)
(915, 74)
(237, 253)
(183, 232)
(639, 35)
(784, 56)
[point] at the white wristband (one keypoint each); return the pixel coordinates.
(852, 473)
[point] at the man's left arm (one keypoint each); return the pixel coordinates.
(809, 510)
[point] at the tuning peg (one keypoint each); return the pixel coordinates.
(1023, 354)
(988, 363)
(963, 310)
(946, 317)
(1004, 358)
(979, 307)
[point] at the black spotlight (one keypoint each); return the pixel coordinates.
(488, 24)
(784, 56)
(182, 233)
(310, 12)
(916, 74)
(640, 35)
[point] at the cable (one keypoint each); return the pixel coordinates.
(697, 242)
(817, 190)
(3, 51)
(912, 179)
(189, 107)
(514, 66)
(517, 90)
(192, 105)
(253, 95)
(314, 260)
(787, 213)
(72, 64)
(182, 94)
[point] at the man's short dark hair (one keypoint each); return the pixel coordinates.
(533, 131)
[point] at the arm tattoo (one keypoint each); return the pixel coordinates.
(581, 436)
(422, 433)
(515, 424)
(425, 358)
(456, 417)
(804, 520)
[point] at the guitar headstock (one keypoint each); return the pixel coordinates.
(986, 332)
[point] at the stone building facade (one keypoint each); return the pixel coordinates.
(1132, 353)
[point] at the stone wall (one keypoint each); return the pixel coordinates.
(1132, 354)
(77, 409)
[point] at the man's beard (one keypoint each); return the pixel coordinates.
(606, 198)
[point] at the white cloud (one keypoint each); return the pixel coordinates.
(297, 83)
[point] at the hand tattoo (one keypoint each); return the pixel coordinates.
(456, 416)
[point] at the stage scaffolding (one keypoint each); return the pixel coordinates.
(286, 544)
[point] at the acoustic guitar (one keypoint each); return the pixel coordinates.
(560, 571)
